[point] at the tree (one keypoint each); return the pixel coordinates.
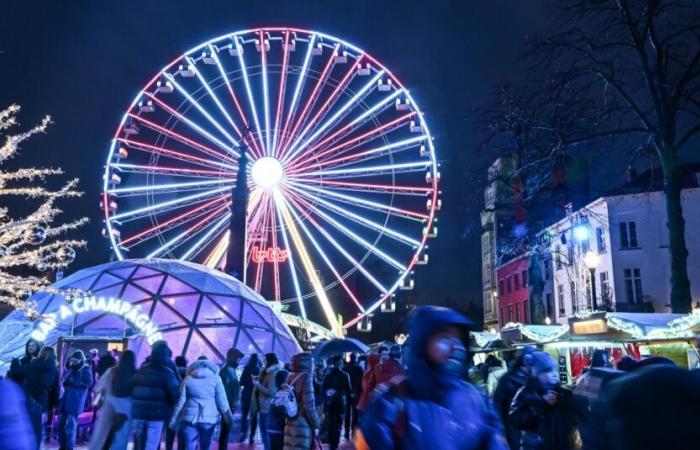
(30, 243)
(631, 69)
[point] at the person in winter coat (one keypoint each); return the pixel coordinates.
(300, 431)
(434, 407)
(367, 383)
(507, 387)
(354, 371)
(337, 389)
(106, 362)
(201, 403)
(19, 365)
(263, 394)
(76, 382)
(154, 394)
(277, 416)
(42, 387)
(543, 410)
(232, 387)
(111, 430)
(251, 369)
(16, 432)
(181, 364)
(496, 370)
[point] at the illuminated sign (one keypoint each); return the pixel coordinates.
(595, 326)
(131, 313)
(272, 254)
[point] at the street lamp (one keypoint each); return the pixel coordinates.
(592, 259)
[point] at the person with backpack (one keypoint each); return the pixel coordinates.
(283, 406)
(433, 407)
(76, 382)
(337, 390)
(232, 387)
(301, 430)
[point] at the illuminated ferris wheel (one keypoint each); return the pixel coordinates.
(342, 173)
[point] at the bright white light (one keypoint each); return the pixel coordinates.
(591, 259)
(267, 172)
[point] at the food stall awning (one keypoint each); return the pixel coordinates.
(519, 332)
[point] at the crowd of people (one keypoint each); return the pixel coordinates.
(425, 395)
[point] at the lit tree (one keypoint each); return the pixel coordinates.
(30, 244)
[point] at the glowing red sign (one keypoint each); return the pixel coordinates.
(272, 254)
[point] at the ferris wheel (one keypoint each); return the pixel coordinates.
(342, 173)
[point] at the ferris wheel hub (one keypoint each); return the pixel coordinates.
(267, 172)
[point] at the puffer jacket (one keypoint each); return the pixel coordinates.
(42, 383)
(76, 383)
(18, 366)
(507, 387)
(299, 431)
(544, 426)
(265, 391)
(431, 409)
(155, 386)
(368, 383)
(202, 395)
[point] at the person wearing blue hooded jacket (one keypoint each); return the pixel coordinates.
(76, 382)
(434, 407)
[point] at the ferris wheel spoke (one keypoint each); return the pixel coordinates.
(173, 222)
(307, 263)
(281, 91)
(345, 146)
(186, 235)
(138, 212)
(298, 146)
(187, 141)
(357, 218)
(167, 188)
(295, 97)
(177, 155)
(311, 101)
(249, 92)
(373, 188)
(266, 92)
(384, 169)
(275, 263)
(167, 171)
(354, 124)
(325, 258)
(204, 112)
(206, 238)
(346, 254)
(234, 98)
(291, 259)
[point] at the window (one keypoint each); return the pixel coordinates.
(500, 287)
(508, 284)
(572, 289)
(560, 300)
(604, 288)
(517, 312)
(547, 268)
(525, 311)
(570, 254)
(633, 285)
(516, 281)
(510, 313)
(585, 245)
(550, 305)
(557, 257)
(628, 235)
(600, 238)
(525, 278)
(503, 316)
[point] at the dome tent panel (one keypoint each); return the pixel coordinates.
(124, 273)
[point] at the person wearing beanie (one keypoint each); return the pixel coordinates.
(155, 390)
(508, 386)
(433, 407)
(232, 386)
(76, 382)
(543, 410)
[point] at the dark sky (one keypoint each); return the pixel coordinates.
(83, 62)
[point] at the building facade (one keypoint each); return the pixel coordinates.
(513, 291)
(628, 239)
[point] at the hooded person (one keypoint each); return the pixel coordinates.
(200, 406)
(154, 393)
(232, 387)
(368, 382)
(434, 407)
(76, 382)
(300, 431)
(251, 369)
(337, 391)
(355, 372)
(18, 366)
(507, 387)
(42, 387)
(543, 410)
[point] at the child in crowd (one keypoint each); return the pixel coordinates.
(544, 410)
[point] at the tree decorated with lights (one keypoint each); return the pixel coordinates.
(30, 245)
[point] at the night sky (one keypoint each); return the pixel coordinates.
(83, 61)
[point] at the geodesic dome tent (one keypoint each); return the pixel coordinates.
(197, 310)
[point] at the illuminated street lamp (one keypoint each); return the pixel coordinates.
(592, 259)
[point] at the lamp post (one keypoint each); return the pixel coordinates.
(592, 259)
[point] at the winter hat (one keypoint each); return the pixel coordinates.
(542, 362)
(395, 351)
(78, 354)
(233, 354)
(524, 356)
(281, 377)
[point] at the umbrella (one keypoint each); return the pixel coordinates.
(338, 346)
